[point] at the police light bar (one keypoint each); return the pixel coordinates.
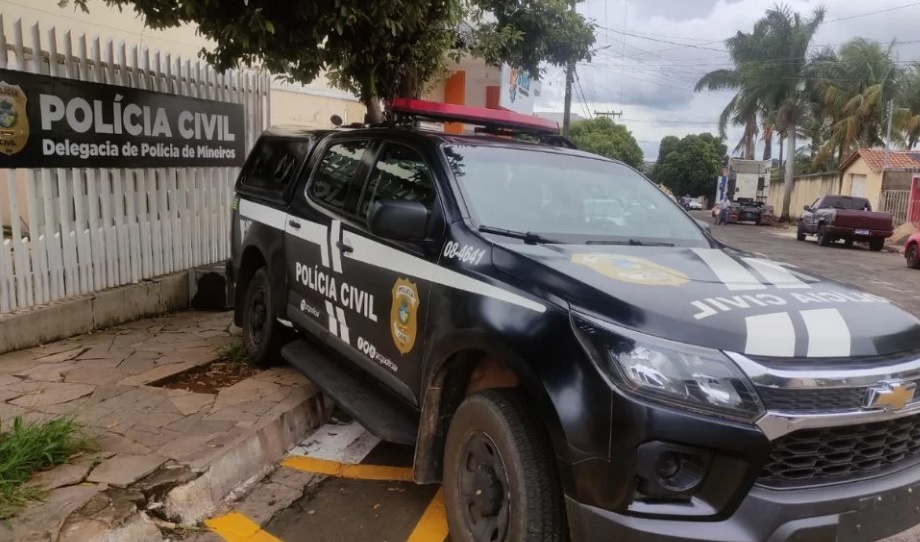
(479, 116)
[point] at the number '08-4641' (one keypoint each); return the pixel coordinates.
(465, 254)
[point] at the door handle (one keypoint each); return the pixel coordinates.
(294, 224)
(343, 247)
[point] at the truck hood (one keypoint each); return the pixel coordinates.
(720, 298)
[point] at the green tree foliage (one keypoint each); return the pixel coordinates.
(377, 50)
(604, 137)
(690, 165)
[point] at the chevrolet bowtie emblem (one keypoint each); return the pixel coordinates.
(889, 395)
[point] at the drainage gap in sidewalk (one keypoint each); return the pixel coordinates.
(209, 378)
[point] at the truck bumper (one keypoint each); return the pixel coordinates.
(860, 511)
(838, 231)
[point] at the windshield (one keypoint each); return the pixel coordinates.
(567, 198)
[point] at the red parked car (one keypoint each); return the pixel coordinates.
(912, 251)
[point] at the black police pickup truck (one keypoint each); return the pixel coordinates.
(572, 370)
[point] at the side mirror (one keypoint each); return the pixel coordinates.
(703, 224)
(398, 220)
(808, 208)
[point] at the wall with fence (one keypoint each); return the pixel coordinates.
(69, 232)
(805, 190)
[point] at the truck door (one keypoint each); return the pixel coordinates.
(387, 285)
(314, 270)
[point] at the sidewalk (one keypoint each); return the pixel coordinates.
(167, 456)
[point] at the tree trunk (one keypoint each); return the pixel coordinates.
(374, 110)
(767, 144)
(788, 182)
(782, 140)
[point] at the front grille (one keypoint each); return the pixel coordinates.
(820, 456)
(812, 399)
(816, 399)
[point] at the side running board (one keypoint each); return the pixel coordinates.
(361, 399)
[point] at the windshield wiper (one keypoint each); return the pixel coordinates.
(631, 242)
(529, 238)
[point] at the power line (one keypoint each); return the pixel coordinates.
(886, 10)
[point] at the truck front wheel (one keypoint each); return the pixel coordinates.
(262, 336)
(823, 239)
(500, 480)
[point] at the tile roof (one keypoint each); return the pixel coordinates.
(875, 159)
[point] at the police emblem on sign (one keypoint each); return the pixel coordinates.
(404, 315)
(14, 124)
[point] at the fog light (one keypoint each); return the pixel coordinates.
(671, 471)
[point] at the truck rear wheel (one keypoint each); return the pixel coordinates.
(500, 480)
(876, 244)
(263, 336)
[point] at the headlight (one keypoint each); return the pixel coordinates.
(693, 377)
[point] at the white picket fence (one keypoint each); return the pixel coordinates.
(84, 230)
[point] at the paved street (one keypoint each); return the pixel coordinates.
(343, 485)
(881, 273)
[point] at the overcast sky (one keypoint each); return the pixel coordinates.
(659, 49)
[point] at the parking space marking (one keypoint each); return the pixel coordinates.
(235, 527)
(432, 527)
(348, 470)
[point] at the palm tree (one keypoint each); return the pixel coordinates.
(907, 117)
(742, 109)
(770, 69)
(859, 85)
(782, 42)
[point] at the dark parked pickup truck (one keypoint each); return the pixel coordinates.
(849, 218)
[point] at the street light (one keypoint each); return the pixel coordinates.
(569, 79)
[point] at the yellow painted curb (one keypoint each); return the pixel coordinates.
(347, 470)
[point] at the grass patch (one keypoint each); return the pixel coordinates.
(234, 353)
(30, 447)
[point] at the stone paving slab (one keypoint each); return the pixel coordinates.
(103, 380)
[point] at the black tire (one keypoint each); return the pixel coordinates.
(876, 244)
(823, 239)
(913, 256)
(800, 233)
(848, 242)
(496, 449)
(263, 336)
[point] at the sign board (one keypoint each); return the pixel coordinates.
(53, 122)
(518, 90)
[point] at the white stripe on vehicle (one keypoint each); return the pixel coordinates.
(776, 274)
(333, 324)
(285, 323)
(263, 214)
(312, 232)
(373, 253)
(770, 335)
(343, 327)
(335, 235)
(828, 333)
(728, 271)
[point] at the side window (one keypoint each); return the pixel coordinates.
(274, 163)
(332, 185)
(400, 173)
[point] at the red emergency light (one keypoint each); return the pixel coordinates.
(479, 116)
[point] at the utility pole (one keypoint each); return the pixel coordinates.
(569, 81)
(608, 113)
(888, 136)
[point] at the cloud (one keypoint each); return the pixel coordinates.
(653, 53)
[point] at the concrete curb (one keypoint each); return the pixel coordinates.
(218, 476)
(41, 325)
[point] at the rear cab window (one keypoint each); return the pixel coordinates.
(273, 166)
(334, 185)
